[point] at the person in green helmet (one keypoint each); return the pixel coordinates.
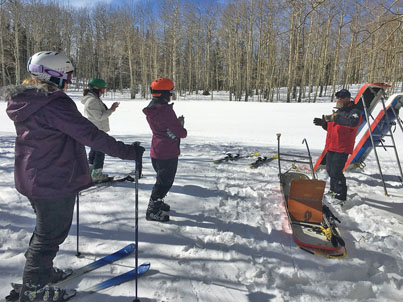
(97, 113)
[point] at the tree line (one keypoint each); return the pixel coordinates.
(250, 48)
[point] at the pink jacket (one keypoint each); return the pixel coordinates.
(167, 130)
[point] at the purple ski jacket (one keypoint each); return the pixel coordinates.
(162, 120)
(50, 157)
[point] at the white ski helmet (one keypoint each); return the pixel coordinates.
(51, 67)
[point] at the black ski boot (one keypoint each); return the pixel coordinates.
(164, 206)
(36, 293)
(59, 275)
(156, 212)
(341, 197)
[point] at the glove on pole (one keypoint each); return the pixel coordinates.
(139, 157)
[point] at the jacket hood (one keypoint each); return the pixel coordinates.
(89, 95)
(25, 100)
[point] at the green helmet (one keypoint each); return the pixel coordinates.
(100, 83)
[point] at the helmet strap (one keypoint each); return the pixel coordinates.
(61, 83)
(95, 90)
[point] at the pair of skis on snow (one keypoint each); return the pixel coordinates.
(109, 259)
(260, 161)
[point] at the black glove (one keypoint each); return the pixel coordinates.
(139, 156)
(319, 121)
(181, 120)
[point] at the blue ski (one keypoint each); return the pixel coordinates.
(108, 259)
(130, 275)
(127, 250)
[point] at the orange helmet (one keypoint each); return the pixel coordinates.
(160, 86)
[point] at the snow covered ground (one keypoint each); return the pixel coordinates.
(228, 238)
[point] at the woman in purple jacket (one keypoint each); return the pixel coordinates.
(167, 131)
(51, 164)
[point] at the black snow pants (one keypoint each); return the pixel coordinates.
(53, 222)
(335, 162)
(166, 171)
(96, 158)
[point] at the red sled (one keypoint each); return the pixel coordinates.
(379, 128)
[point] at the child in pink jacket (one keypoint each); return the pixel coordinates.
(167, 131)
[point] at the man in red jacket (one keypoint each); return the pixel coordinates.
(167, 131)
(341, 128)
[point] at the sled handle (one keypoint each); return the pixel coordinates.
(310, 158)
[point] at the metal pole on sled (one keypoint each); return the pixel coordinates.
(367, 116)
(391, 135)
(278, 153)
(310, 158)
(136, 229)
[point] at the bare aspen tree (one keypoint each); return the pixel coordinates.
(249, 21)
(128, 17)
(191, 18)
(292, 36)
(2, 34)
(171, 15)
(229, 32)
(209, 17)
(307, 58)
(298, 49)
(16, 11)
(323, 59)
(338, 46)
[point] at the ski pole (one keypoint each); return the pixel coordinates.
(78, 254)
(136, 206)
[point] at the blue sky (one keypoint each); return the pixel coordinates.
(89, 3)
(83, 3)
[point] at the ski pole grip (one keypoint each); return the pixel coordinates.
(278, 136)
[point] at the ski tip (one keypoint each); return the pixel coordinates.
(133, 245)
(130, 247)
(16, 286)
(144, 267)
(148, 263)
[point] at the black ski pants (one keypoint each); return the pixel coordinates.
(335, 162)
(53, 222)
(166, 171)
(96, 158)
